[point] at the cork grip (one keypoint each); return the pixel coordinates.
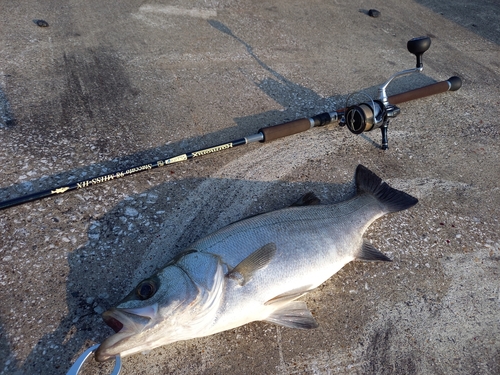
(282, 130)
(454, 83)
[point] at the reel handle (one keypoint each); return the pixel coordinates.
(418, 46)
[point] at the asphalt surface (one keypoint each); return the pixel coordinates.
(108, 86)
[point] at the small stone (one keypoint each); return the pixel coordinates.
(130, 211)
(41, 23)
(99, 309)
(374, 13)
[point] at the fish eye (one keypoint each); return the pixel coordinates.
(146, 289)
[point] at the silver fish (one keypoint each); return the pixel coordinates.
(254, 269)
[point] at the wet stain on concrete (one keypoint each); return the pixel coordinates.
(7, 118)
(93, 99)
(378, 355)
(96, 84)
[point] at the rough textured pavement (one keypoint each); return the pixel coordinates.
(110, 85)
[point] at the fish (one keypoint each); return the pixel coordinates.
(254, 269)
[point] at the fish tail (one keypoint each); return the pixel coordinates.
(391, 200)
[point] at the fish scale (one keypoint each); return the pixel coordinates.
(293, 222)
(310, 248)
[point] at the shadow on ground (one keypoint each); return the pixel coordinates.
(476, 16)
(103, 271)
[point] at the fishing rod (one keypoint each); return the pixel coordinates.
(359, 118)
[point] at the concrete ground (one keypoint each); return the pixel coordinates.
(110, 85)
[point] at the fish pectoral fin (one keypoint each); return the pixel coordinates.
(293, 315)
(308, 199)
(368, 252)
(290, 295)
(259, 259)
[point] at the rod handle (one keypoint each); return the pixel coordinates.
(452, 84)
(282, 130)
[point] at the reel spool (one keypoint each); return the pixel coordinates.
(370, 115)
(364, 117)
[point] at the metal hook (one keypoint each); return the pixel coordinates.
(75, 369)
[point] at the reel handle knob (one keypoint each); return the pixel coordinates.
(418, 46)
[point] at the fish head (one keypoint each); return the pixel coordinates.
(152, 314)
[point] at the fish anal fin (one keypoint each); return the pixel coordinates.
(308, 199)
(259, 259)
(290, 295)
(293, 315)
(368, 252)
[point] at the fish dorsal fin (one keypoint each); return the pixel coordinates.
(390, 199)
(260, 258)
(368, 252)
(290, 295)
(293, 315)
(308, 199)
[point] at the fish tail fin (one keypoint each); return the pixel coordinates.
(391, 200)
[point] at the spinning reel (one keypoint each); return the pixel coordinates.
(376, 114)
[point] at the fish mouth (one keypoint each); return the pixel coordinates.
(126, 323)
(114, 323)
